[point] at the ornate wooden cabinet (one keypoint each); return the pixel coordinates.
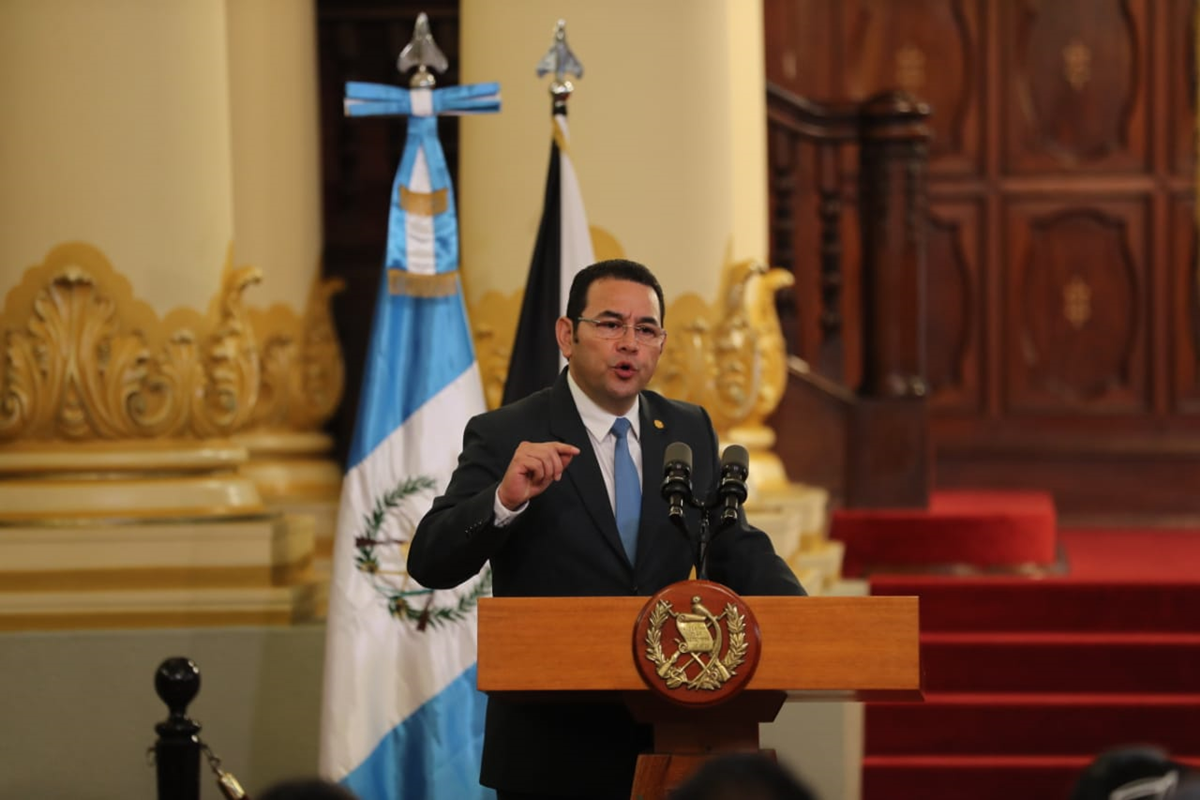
(1064, 306)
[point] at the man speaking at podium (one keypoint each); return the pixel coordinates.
(560, 491)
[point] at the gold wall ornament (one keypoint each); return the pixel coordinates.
(230, 363)
(910, 68)
(1077, 302)
(303, 371)
(766, 469)
(729, 358)
(83, 359)
(1077, 64)
(494, 327)
(772, 348)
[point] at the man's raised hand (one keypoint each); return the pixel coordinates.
(534, 466)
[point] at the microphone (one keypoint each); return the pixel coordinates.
(735, 467)
(677, 478)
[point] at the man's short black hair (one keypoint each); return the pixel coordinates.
(618, 268)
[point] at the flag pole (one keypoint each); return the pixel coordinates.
(563, 245)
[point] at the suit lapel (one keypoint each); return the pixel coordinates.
(654, 433)
(584, 470)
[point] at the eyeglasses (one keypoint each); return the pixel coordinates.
(644, 332)
(1147, 788)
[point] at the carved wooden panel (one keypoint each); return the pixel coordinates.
(1076, 318)
(1076, 98)
(931, 49)
(1182, 76)
(1185, 294)
(795, 237)
(956, 304)
(794, 31)
(1069, 205)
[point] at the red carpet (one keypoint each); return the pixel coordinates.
(1027, 679)
(977, 529)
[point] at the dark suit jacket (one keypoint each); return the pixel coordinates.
(566, 543)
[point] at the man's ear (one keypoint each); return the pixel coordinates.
(564, 333)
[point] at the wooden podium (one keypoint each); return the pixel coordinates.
(812, 648)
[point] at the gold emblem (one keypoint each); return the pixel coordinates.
(1077, 302)
(698, 662)
(1077, 64)
(910, 68)
(658, 423)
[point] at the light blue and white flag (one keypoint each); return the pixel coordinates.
(401, 717)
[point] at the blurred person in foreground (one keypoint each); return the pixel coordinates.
(1130, 772)
(742, 776)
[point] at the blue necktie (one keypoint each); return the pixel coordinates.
(628, 489)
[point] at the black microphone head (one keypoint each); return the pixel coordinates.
(736, 456)
(735, 467)
(679, 453)
(677, 477)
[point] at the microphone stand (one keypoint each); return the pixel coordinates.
(706, 507)
(702, 547)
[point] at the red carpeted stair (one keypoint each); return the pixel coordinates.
(977, 529)
(1027, 679)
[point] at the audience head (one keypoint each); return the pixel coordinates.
(1189, 789)
(1133, 772)
(742, 776)
(306, 789)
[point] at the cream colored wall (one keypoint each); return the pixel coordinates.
(116, 132)
(275, 140)
(668, 135)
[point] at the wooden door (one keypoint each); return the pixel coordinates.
(1064, 323)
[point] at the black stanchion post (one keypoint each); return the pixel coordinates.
(177, 750)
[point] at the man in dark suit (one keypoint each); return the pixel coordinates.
(547, 489)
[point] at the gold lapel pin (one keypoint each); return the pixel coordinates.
(658, 423)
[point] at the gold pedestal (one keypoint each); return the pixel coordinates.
(794, 515)
(157, 533)
(295, 476)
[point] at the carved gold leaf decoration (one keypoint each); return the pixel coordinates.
(730, 358)
(303, 372)
(494, 327)
(84, 360)
(772, 348)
